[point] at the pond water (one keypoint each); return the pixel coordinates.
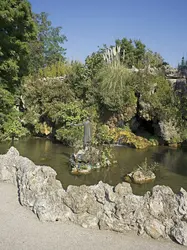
(172, 171)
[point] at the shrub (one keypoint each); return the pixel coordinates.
(103, 134)
(70, 136)
(170, 132)
(115, 88)
(12, 127)
(145, 167)
(55, 70)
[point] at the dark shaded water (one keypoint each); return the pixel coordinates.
(173, 171)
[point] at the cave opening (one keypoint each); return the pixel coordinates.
(143, 127)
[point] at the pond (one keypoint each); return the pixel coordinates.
(172, 171)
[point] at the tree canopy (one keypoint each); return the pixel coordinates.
(17, 30)
(47, 48)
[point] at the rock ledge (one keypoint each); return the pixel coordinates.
(159, 213)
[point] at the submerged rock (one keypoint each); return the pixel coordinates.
(174, 145)
(140, 177)
(87, 159)
(82, 169)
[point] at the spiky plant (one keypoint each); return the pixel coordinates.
(113, 75)
(114, 83)
(112, 55)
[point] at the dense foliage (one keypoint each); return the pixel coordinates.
(123, 85)
(17, 29)
(47, 48)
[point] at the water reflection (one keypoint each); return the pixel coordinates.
(172, 171)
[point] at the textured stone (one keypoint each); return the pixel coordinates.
(138, 177)
(159, 213)
(154, 228)
(8, 165)
(179, 233)
(87, 159)
(182, 201)
(123, 189)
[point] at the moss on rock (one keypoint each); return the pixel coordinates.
(124, 137)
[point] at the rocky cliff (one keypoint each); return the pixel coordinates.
(159, 213)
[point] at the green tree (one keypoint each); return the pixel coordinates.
(47, 48)
(17, 29)
(182, 62)
(58, 69)
(139, 53)
(153, 59)
(6, 104)
(183, 67)
(157, 100)
(131, 52)
(77, 79)
(53, 102)
(127, 51)
(12, 127)
(93, 64)
(10, 121)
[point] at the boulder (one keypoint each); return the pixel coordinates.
(8, 166)
(123, 189)
(140, 177)
(163, 206)
(87, 159)
(182, 204)
(179, 233)
(154, 228)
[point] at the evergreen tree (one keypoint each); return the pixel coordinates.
(182, 67)
(182, 62)
(126, 51)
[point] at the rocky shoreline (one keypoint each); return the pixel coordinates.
(159, 213)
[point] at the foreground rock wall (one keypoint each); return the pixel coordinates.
(159, 213)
